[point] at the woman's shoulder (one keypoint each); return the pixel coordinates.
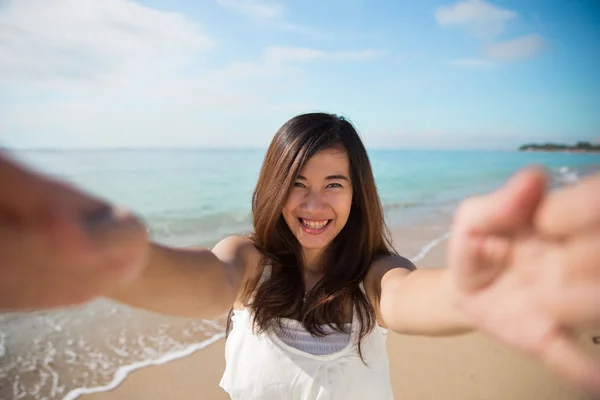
(380, 266)
(387, 262)
(241, 252)
(238, 242)
(237, 250)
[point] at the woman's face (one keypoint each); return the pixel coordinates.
(319, 202)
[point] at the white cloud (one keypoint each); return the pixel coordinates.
(279, 61)
(87, 41)
(289, 54)
(271, 13)
(515, 49)
(488, 21)
(473, 63)
(114, 72)
(305, 30)
(280, 55)
(254, 8)
(481, 18)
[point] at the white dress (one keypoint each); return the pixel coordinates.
(261, 366)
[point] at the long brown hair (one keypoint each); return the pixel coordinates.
(346, 259)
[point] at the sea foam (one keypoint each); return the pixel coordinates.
(53, 354)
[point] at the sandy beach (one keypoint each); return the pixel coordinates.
(456, 368)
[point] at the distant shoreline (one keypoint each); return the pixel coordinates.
(578, 151)
(580, 147)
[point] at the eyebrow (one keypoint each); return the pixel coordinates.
(329, 178)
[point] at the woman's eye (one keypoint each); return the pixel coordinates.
(299, 184)
(334, 185)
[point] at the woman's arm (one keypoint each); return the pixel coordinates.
(60, 246)
(421, 302)
(192, 282)
(523, 267)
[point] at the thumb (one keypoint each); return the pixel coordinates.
(485, 225)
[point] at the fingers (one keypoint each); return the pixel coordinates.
(478, 260)
(563, 356)
(60, 246)
(571, 209)
(55, 260)
(483, 231)
(509, 208)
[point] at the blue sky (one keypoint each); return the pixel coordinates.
(228, 73)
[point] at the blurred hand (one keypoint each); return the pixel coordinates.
(527, 265)
(59, 246)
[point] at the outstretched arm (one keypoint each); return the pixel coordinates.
(527, 267)
(421, 302)
(192, 282)
(523, 267)
(62, 247)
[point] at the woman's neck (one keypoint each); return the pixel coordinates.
(311, 260)
(312, 272)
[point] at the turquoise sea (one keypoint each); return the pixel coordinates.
(197, 196)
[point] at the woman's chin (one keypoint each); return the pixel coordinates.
(314, 244)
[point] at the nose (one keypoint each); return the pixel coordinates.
(313, 202)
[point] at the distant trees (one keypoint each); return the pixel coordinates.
(585, 145)
(579, 146)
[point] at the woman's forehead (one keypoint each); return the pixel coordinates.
(327, 162)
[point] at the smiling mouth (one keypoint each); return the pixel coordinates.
(314, 224)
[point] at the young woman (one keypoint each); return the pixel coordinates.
(316, 285)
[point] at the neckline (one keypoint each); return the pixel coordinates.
(295, 322)
(275, 340)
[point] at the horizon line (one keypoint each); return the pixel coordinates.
(222, 148)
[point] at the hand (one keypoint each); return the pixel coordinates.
(527, 266)
(61, 247)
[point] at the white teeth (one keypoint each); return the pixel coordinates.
(314, 224)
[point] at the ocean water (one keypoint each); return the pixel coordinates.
(191, 197)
